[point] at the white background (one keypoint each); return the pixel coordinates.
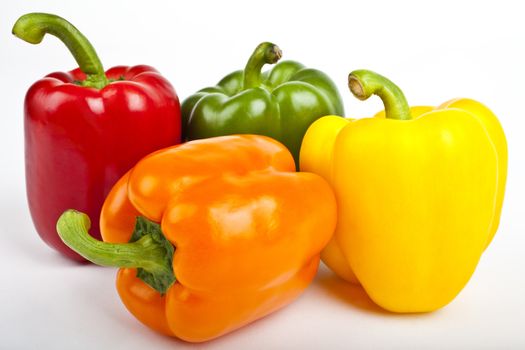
(434, 50)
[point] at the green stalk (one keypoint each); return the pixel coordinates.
(364, 83)
(265, 53)
(150, 252)
(33, 26)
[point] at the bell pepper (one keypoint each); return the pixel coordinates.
(225, 234)
(280, 103)
(85, 128)
(419, 194)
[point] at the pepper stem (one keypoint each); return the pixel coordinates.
(264, 53)
(147, 253)
(364, 83)
(33, 26)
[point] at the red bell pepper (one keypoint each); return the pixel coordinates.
(84, 129)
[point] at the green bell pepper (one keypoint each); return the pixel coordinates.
(280, 103)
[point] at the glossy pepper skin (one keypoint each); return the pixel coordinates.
(280, 103)
(240, 219)
(419, 194)
(84, 129)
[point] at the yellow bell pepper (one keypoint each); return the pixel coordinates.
(419, 194)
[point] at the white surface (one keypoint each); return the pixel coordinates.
(434, 51)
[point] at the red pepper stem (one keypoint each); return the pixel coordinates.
(145, 253)
(33, 26)
(364, 83)
(265, 53)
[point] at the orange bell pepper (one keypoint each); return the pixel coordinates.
(238, 219)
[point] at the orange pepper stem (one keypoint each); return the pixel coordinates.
(148, 253)
(364, 83)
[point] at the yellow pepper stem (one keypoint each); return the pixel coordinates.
(364, 83)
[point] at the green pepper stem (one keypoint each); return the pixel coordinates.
(146, 253)
(263, 54)
(33, 26)
(364, 83)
